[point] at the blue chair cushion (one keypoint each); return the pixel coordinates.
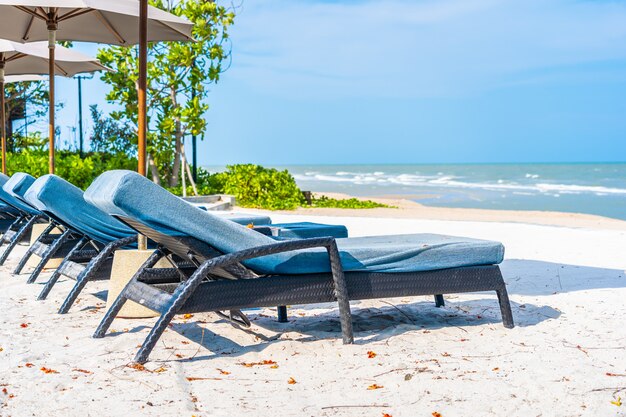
(126, 193)
(64, 201)
(12, 192)
(5, 208)
(243, 218)
(305, 230)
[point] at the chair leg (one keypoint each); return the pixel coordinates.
(108, 318)
(50, 252)
(341, 293)
(14, 227)
(117, 305)
(439, 302)
(91, 269)
(81, 281)
(22, 263)
(154, 335)
(178, 299)
(17, 238)
(29, 252)
(56, 275)
(282, 314)
(46, 289)
(505, 308)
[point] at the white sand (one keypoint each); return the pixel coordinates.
(566, 357)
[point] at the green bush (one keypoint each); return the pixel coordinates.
(253, 185)
(347, 203)
(69, 165)
(206, 184)
(259, 187)
(266, 188)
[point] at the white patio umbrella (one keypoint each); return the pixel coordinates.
(18, 59)
(23, 78)
(102, 21)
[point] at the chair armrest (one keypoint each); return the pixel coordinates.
(279, 247)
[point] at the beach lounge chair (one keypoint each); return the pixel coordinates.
(236, 268)
(101, 234)
(11, 194)
(8, 214)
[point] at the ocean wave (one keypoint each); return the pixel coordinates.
(449, 181)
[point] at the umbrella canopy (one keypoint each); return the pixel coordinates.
(102, 21)
(32, 58)
(27, 59)
(23, 78)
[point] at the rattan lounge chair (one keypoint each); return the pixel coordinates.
(95, 234)
(8, 213)
(11, 194)
(101, 235)
(235, 268)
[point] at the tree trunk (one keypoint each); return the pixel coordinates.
(178, 135)
(186, 167)
(154, 172)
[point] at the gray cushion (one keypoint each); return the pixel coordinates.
(5, 208)
(305, 230)
(126, 193)
(242, 218)
(13, 191)
(63, 200)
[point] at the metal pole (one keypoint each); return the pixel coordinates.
(25, 115)
(80, 115)
(142, 242)
(4, 124)
(194, 160)
(142, 85)
(51, 42)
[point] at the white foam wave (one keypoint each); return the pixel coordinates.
(450, 181)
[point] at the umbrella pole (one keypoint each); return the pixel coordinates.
(51, 45)
(141, 98)
(3, 121)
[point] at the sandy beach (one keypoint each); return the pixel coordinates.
(566, 357)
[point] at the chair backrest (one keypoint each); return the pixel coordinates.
(128, 194)
(63, 200)
(13, 192)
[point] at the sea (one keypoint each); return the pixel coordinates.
(577, 188)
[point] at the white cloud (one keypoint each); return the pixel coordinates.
(425, 48)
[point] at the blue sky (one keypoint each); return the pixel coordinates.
(421, 81)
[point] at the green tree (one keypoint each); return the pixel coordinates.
(111, 136)
(178, 76)
(32, 96)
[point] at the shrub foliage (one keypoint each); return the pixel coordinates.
(254, 186)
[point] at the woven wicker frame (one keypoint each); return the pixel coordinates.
(206, 289)
(18, 231)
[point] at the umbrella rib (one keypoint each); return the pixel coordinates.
(33, 13)
(28, 27)
(109, 27)
(61, 70)
(74, 13)
(14, 57)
